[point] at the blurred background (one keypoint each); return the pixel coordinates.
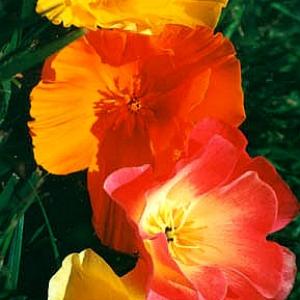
(44, 217)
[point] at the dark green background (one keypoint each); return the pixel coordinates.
(45, 217)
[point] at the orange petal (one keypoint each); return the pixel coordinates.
(62, 109)
(224, 97)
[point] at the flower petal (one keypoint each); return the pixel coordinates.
(207, 171)
(127, 186)
(168, 280)
(131, 14)
(116, 47)
(288, 274)
(288, 206)
(118, 149)
(235, 224)
(240, 288)
(205, 129)
(224, 92)
(210, 281)
(86, 276)
(139, 279)
(62, 108)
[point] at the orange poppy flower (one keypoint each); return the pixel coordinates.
(114, 98)
(205, 227)
(131, 14)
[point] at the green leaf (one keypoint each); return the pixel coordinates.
(27, 59)
(6, 84)
(6, 195)
(6, 94)
(14, 258)
(22, 199)
(231, 29)
(285, 11)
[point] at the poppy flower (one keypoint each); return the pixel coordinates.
(205, 227)
(113, 99)
(86, 275)
(136, 15)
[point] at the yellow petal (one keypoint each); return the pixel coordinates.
(86, 276)
(133, 15)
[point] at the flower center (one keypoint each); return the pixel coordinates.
(182, 233)
(169, 232)
(134, 105)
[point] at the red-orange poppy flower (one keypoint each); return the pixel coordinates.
(113, 99)
(206, 226)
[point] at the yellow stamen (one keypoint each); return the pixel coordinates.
(183, 234)
(135, 105)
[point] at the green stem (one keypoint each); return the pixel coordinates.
(50, 232)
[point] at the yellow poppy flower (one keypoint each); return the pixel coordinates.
(86, 275)
(136, 15)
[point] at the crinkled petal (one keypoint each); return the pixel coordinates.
(135, 15)
(62, 109)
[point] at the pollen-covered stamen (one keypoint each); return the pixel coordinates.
(177, 153)
(183, 234)
(169, 232)
(134, 105)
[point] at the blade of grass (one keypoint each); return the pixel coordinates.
(50, 232)
(26, 196)
(5, 241)
(6, 85)
(6, 195)
(14, 258)
(231, 29)
(27, 59)
(36, 234)
(12, 46)
(8, 192)
(285, 11)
